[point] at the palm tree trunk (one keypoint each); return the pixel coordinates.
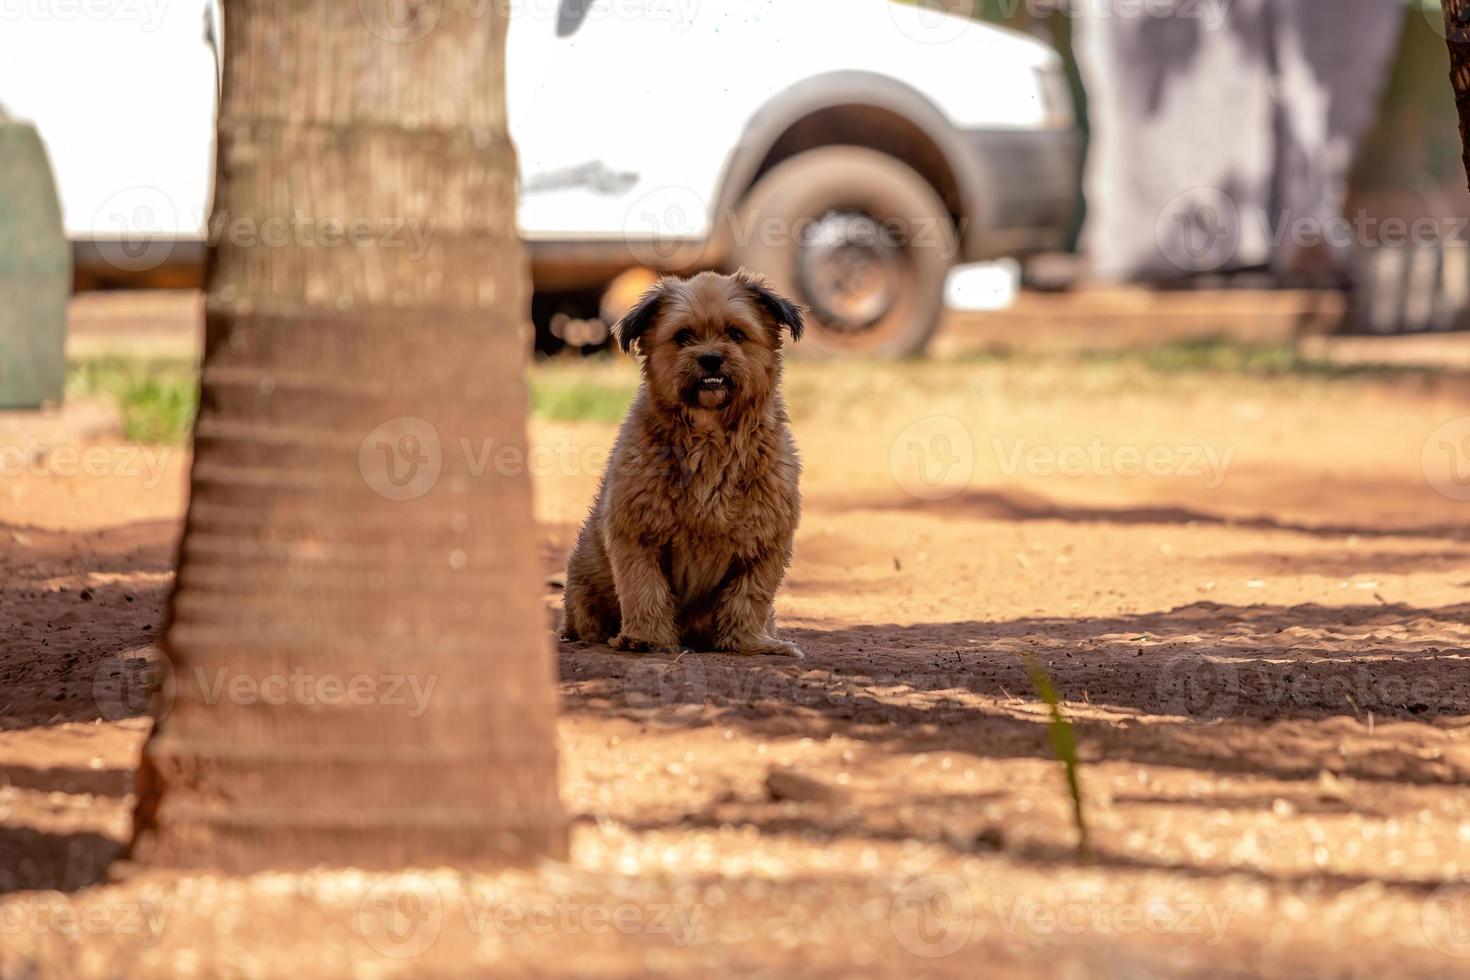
(1457, 32)
(361, 671)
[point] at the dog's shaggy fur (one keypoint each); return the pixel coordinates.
(691, 531)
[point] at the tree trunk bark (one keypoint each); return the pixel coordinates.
(361, 671)
(1457, 32)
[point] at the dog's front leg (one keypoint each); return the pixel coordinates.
(744, 619)
(644, 598)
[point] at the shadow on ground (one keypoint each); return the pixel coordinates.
(80, 610)
(1369, 692)
(1024, 507)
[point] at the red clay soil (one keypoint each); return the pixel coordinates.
(1251, 596)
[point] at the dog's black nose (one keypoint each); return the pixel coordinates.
(711, 362)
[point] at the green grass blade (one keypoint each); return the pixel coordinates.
(1064, 747)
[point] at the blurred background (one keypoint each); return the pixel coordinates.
(1138, 348)
(965, 174)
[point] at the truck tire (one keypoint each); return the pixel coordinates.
(859, 238)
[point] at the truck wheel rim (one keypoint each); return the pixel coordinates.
(849, 270)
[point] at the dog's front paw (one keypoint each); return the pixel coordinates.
(636, 644)
(768, 647)
(629, 644)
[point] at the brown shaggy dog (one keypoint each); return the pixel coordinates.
(691, 531)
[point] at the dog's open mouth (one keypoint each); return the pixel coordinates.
(710, 391)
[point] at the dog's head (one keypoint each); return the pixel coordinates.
(710, 342)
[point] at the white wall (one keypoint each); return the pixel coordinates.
(123, 93)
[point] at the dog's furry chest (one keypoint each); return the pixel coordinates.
(714, 522)
(696, 568)
(710, 514)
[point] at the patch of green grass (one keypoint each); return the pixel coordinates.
(582, 392)
(1225, 356)
(1064, 747)
(157, 398)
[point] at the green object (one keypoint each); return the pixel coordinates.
(1064, 747)
(35, 273)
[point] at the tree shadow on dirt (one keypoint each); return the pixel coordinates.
(90, 782)
(1021, 506)
(955, 830)
(1204, 662)
(1351, 563)
(81, 609)
(1364, 691)
(31, 858)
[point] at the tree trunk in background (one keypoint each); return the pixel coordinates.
(361, 669)
(1457, 31)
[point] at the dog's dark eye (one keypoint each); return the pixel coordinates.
(737, 335)
(684, 338)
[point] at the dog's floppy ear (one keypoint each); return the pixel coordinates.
(780, 309)
(637, 320)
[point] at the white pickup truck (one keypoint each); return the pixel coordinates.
(853, 150)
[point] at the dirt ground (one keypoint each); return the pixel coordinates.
(1252, 595)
